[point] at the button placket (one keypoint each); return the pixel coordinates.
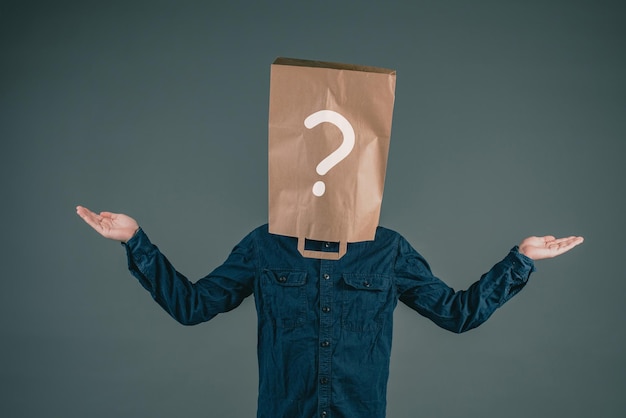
(325, 334)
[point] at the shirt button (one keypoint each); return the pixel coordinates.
(324, 380)
(326, 276)
(326, 309)
(282, 279)
(325, 343)
(323, 414)
(327, 244)
(366, 284)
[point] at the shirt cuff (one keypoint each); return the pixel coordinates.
(138, 250)
(522, 264)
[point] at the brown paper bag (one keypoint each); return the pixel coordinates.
(329, 131)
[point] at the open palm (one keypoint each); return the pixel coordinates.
(115, 226)
(548, 246)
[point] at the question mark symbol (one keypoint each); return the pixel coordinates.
(340, 153)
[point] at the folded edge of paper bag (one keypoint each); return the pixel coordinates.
(332, 65)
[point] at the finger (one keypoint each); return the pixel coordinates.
(84, 212)
(566, 240)
(94, 223)
(574, 241)
(566, 244)
(91, 219)
(81, 210)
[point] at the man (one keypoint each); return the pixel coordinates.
(325, 325)
(325, 276)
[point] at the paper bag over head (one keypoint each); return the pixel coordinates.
(329, 132)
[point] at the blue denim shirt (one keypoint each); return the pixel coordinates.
(324, 326)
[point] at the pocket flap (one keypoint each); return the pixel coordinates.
(288, 278)
(366, 281)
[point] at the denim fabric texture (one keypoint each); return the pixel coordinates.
(324, 326)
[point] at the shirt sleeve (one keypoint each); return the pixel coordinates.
(458, 311)
(191, 303)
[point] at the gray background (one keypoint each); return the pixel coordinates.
(509, 121)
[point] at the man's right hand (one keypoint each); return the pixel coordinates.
(115, 226)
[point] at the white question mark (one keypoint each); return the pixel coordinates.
(340, 153)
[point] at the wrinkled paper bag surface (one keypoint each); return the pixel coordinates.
(329, 132)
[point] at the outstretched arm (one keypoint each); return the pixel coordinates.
(538, 248)
(187, 302)
(462, 310)
(115, 226)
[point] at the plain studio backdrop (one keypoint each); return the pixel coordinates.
(510, 120)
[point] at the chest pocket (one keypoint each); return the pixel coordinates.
(365, 302)
(285, 295)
